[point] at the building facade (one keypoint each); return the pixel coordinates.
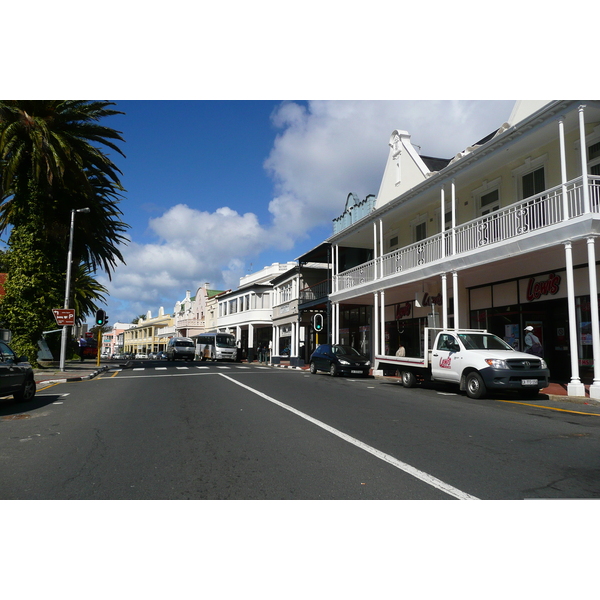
(150, 334)
(112, 341)
(247, 312)
(501, 237)
(293, 292)
(190, 314)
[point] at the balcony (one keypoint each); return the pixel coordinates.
(315, 292)
(533, 214)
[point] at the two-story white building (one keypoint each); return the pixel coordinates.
(294, 292)
(501, 237)
(247, 311)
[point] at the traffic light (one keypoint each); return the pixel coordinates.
(101, 317)
(318, 322)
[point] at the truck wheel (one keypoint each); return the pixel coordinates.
(408, 379)
(475, 386)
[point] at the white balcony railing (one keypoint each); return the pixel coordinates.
(532, 214)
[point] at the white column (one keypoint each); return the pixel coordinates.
(376, 324)
(382, 323)
(381, 248)
(586, 191)
(444, 301)
(336, 331)
(294, 341)
(375, 266)
(250, 335)
(453, 217)
(336, 264)
(595, 387)
(334, 322)
(443, 220)
(574, 387)
(563, 167)
(456, 305)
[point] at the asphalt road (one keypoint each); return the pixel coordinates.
(236, 431)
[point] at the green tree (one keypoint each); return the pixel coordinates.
(53, 159)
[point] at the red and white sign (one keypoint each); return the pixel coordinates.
(64, 316)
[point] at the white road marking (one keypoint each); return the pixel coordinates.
(139, 369)
(425, 477)
(161, 368)
(201, 367)
(223, 367)
(182, 368)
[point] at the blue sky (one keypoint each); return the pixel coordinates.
(219, 189)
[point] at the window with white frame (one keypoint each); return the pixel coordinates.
(594, 158)
(487, 197)
(530, 177)
(419, 228)
(285, 292)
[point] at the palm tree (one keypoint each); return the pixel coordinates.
(86, 291)
(52, 161)
(50, 164)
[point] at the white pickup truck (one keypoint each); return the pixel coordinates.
(473, 358)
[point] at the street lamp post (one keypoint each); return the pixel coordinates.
(63, 340)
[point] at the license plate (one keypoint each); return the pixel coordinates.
(355, 372)
(529, 381)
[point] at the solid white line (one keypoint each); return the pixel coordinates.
(426, 477)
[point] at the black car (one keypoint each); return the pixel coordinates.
(16, 375)
(339, 360)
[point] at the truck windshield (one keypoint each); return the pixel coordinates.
(483, 341)
(225, 341)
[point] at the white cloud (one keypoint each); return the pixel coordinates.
(331, 148)
(324, 151)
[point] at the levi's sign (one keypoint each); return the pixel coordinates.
(64, 316)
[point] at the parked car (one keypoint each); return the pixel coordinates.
(162, 355)
(141, 355)
(339, 360)
(16, 375)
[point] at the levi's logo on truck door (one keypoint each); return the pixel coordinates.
(446, 363)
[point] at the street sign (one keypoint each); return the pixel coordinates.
(64, 316)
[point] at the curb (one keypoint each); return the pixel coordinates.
(68, 379)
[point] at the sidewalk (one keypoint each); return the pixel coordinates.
(74, 371)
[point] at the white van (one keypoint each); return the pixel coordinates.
(181, 348)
